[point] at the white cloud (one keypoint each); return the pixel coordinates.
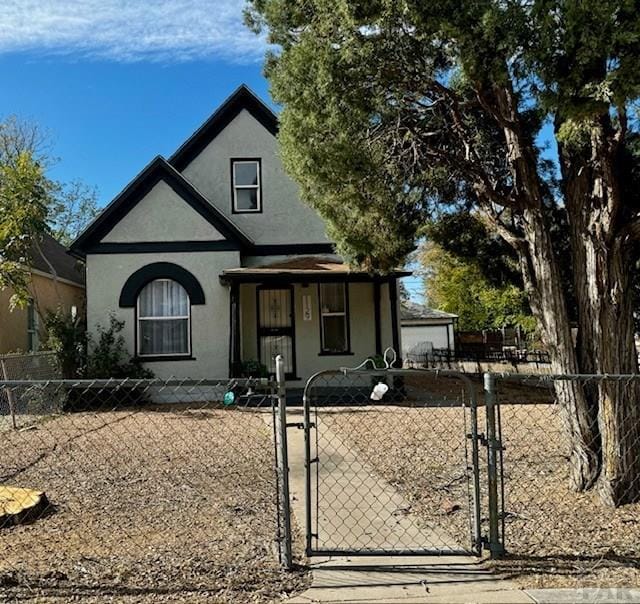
(130, 30)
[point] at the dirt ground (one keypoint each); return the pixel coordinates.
(554, 537)
(148, 505)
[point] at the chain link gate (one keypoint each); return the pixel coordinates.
(392, 462)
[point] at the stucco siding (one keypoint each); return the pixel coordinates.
(162, 215)
(284, 218)
(210, 322)
(48, 296)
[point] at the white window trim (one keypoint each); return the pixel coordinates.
(142, 355)
(344, 314)
(257, 187)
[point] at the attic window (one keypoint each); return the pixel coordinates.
(246, 185)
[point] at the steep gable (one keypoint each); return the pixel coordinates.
(244, 129)
(160, 205)
(162, 215)
(241, 99)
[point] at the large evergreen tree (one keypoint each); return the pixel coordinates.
(393, 109)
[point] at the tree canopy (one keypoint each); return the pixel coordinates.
(32, 203)
(390, 110)
(24, 192)
(459, 286)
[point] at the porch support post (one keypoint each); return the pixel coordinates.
(376, 310)
(234, 341)
(393, 300)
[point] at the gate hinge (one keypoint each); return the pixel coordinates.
(481, 438)
(314, 460)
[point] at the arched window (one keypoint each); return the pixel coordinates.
(164, 317)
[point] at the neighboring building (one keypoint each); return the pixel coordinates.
(57, 281)
(424, 329)
(214, 263)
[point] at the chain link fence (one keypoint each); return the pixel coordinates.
(176, 490)
(150, 489)
(391, 463)
(35, 366)
(548, 527)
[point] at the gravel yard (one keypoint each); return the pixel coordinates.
(555, 537)
(148, 505)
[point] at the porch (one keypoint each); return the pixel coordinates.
(314, 311)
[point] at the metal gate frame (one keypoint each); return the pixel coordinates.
(477, 539)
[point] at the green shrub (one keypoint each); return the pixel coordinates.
(67, 337)
(84, 355)
(108, 357)
(253, 369)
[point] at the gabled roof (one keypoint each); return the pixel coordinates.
(410, 311)
(51, 256)
(242, 98)
(159, 169)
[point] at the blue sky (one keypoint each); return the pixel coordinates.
(107, 119)
(116, 82)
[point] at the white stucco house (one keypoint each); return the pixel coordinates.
(213, 262)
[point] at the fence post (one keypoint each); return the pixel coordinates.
(10, 398)
(283, 461)
(496, 547)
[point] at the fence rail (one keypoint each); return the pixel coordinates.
(544, 514)
(445, 357)
(34, 366)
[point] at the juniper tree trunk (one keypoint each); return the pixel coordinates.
(602, 251)
(542, 279)
(543, 282)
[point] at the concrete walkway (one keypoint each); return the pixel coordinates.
(367, 514)
(406, 580)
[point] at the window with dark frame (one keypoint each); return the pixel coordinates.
(334, 317)
(164, 316)
(33, 325)
(246, 185)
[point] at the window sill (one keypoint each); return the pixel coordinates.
(336, 354)
(168, 357)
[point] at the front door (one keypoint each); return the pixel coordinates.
(276, 328)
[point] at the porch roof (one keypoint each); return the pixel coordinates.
(304, 269)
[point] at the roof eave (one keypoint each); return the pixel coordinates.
(256, 276)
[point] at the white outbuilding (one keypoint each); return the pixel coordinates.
(425, 329)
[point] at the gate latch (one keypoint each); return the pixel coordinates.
(300, 425)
